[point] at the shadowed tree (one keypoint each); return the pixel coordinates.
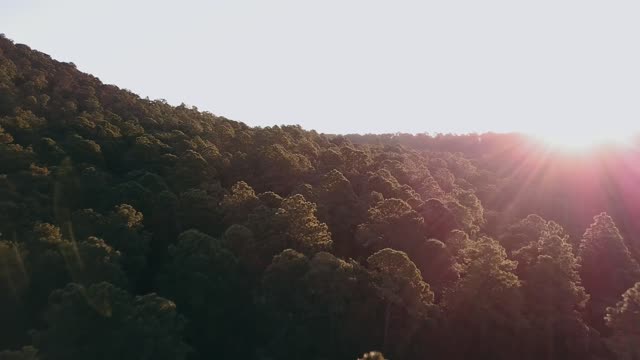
(200, 210)
(14, 282)
(484, 307)
(304, 232)
(457, 242)
(624, 321)
(104, 322)
(91, 261)
(5, 137)
(554, 300)
(280, 169)
(237, 205)
(437, 265)
(340, 209)
(54, 261)
(122, 229)
(267, 231)
(438, 220)
(372, 355)
(607, 268)
(408, 299)
(357, 159)
(316, 306)
(26, 353)
(205, 281)
(527, 230)
(383, 182)
(391, 223)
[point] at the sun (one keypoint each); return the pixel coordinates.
(581, 139)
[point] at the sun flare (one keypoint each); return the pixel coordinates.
(584, 139)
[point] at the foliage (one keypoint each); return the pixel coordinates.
(624, 320)
(607, 267)
(130, 228)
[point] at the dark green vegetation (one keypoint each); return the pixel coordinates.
(131, 229)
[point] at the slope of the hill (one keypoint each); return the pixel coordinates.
(133, 229)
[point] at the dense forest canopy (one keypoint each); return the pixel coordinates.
(133, 229)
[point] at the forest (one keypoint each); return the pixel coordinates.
(133, 229)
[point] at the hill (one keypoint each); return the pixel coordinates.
(130, 228)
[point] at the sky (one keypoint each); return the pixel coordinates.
(366, 66)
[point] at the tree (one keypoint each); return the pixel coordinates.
(239, 203)
(123, 232)
(321, 306)
(624, 320)
(304, 231)
(607, 268)
(200, 210)
(267, 231)
(357, 159)
(484, 307)
(383, 182)
(340, 208)
(5, 137)
(372, 355)
(26, 353)
(280, 168)
(205, 281)
(527, 230)
(53, 261)
(438, 220)
(554, 300)
(391, 223)
(93, 261)
(437, 265)
(126, 233)
(405, 294)
(14, 282)
(102, 321)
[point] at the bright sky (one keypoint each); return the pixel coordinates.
(343, 66)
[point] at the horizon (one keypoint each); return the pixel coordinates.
(430, 69)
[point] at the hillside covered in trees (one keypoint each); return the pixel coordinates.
(132, 229)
